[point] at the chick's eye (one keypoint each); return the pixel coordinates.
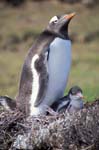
(73, 93)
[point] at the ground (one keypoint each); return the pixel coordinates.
(19, 28)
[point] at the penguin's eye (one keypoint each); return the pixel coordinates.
(54, 19)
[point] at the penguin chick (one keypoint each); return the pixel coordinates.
(7, 103)
(72, 102)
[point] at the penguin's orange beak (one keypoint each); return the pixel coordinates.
(69, 16)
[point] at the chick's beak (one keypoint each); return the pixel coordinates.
(80, 95)
(69, 16)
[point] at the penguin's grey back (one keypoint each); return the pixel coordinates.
(26, 81)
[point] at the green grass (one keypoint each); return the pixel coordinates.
(33, 17)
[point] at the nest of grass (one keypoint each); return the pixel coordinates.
(78, 131)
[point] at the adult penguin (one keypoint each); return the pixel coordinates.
(46, 68)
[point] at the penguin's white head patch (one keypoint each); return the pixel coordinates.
(58, 25)
(54, 19)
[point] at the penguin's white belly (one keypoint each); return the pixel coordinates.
(59, 64)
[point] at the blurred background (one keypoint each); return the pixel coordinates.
(21, 21)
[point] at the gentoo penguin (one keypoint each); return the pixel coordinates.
(72, 102)
(46, 68)
(7, 103)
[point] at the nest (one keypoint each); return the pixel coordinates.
(79, 131)
(9, 127)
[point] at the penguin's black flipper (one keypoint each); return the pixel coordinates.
(41, 67)
(61, 104)
(7, 103)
